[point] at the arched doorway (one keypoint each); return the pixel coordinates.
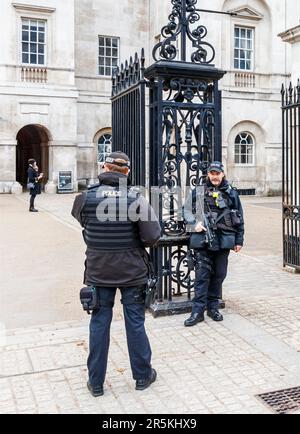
(33, 142)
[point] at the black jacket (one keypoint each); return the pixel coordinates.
(118, 267)
(231, 238)
(33, 178)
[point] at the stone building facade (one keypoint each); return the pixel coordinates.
(56, 59)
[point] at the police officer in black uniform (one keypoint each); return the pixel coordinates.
(223, 215)
(33, 183)
(118, 224)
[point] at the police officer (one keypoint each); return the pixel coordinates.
(224, 215)
(118, 224)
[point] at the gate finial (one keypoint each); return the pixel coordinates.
(184, 14)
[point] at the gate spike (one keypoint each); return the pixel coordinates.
(282, 93)
(298, 90)
(290, 93)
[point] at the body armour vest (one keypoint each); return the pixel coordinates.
(217, 202)
(106, 221)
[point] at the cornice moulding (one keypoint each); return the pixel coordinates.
(33, 8)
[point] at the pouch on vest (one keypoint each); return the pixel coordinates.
(235, 216)
(226, 239)
(197, 241)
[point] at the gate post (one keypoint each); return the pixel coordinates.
(185, 136)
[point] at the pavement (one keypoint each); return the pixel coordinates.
(210, 368)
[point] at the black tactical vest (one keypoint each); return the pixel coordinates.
(219, 207)
(106, 221)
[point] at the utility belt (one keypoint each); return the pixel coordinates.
(144, 294)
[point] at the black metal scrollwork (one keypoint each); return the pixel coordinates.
(181, 21)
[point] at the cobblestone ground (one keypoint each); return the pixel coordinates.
(209, 368)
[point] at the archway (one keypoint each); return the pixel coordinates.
(33, 142)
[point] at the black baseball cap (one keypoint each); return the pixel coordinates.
(118, 158)
(216, 166)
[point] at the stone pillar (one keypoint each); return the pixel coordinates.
(292, 36)
(62, 156)
(8, 183)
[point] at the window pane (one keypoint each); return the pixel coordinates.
(108, 51)
(25, 36)
(33, 25)
(243, 159)
(248, 65)
(237, 32)
(108, 62)
(243, 43)
(114, 62)
(25, 24)
(25, 48)
(242, 54)
(101, 51)
(33, 48)
(107, 71)
(101, 61)
(236, 64)
(249, 34)
(243, 33)
(41, 26)
(115, 52)
(33, 59)
(42, 37)
(33, 36)
(249, 44)
(101, 41)
(115, 42)
(41, 59)
(41, 49)
(101, 70)
(108, 42)
(25, 58)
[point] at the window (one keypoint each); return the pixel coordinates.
(104, 147)
(244, 149)
(33, 42)
(243, 48)
(108, 55)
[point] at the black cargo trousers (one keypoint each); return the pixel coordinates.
(211, 271)
(137, 341)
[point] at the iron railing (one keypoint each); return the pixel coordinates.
(291, 175)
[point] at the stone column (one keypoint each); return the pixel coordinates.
(8, 183)
(292, 36)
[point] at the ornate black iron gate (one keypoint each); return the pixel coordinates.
(184, 137)
(291, 175)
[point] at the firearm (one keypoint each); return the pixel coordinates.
(209, 234)
(208, 224)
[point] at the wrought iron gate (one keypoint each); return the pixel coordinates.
(291, 175)
(184, 136)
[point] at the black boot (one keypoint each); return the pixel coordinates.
(194, 319)
(215, 315)
(33, 210)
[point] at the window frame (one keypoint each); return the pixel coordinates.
(253, 30)
(37, 43)
(103, 134)
(111, 57)
(253, 145)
